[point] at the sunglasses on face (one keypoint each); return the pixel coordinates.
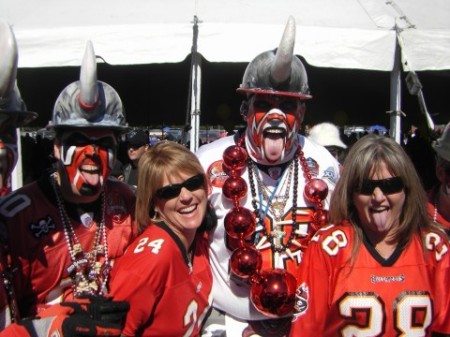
(172, 191)
(284, 104)
(388, 186)
(80, 140)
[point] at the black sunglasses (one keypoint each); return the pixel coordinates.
(172, 191)
(388, 186)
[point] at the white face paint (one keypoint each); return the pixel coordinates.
(272, 126)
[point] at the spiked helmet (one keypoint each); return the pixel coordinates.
(11, 103)
(89, 103)
(279, 71)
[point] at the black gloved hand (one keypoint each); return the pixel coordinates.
(85, 317)
(101, 308)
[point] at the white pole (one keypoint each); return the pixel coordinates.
(396, 99)
(196, 80)
(17, 174)
(195, 105)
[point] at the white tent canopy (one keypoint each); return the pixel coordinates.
(355, 34)
(358, 34)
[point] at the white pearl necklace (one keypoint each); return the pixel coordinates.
(435, 207)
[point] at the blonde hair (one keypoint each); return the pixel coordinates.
(165, 159)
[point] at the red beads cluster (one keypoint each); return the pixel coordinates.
(272, 291)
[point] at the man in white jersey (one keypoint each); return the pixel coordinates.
(270, 187)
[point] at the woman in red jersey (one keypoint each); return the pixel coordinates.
(165, 274)
(383, 268)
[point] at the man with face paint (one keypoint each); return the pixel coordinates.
(66, 229)
(439, 195)
(270, 189)
(13, 113)
(65, 319)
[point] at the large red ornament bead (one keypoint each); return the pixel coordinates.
(235, 157)
(321, 217)
(234, 187)
(245, 261)
(316, 190)
(274, 293)
(232, 172)
(240, 223)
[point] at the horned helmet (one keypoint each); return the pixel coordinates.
(280, 74)
(13, 111)
(85, 105)
(89, 103)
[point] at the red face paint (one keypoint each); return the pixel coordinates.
(273, 122)
(87, 160)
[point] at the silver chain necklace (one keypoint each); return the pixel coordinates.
(276, 203)
(89, 276)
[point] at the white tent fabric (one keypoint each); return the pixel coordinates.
(352, 34)
(358, 34)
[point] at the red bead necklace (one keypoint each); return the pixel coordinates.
(272, 291)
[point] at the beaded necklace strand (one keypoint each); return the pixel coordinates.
(89, 276)
(272, 291)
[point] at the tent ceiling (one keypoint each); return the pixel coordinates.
(358, 34)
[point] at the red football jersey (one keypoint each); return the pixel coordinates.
(5, 312)
(405, 295)
(168, 296)
(38, 246)
(15, 330)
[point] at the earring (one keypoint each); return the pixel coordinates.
(155, 217)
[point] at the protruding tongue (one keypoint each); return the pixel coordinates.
(273, 144)
(380, 218)
(91, 178)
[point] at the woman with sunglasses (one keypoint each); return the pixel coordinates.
(382, 269)
(165, 274)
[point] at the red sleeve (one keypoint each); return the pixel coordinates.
(136, 277)
(15, 330)
(440, 251)
(311, 305)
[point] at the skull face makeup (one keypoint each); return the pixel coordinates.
(273, 122)
(275, 84)
(86, 158)
(87, 117)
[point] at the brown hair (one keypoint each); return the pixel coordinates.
(166, 158)
(363, 158)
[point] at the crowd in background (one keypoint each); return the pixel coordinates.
(277, 230)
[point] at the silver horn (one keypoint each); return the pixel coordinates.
(281, 67)
(8, 60)
(88, 79)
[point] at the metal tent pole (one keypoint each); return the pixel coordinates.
(195, 93)
(396, 98)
